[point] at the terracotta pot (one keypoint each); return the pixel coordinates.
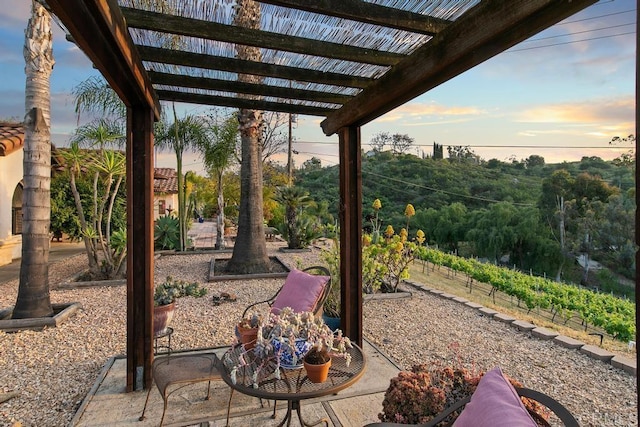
(317, 373)
(162, 316)
(248, 337)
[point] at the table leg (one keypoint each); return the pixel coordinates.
(229, 406)
(295, 405)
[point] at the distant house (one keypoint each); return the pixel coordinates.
(11, 156)
(165, 191)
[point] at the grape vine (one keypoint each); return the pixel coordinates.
(615, 315)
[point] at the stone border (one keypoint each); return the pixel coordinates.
(65, 311)
(213, 278)
(621, 362)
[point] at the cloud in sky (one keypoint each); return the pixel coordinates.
(612, 113)
(421, 110)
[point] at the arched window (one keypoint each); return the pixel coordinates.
(16, 210)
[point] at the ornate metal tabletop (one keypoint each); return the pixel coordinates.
(265, 380)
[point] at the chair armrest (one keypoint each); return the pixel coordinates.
(269, 301)
(556, 407)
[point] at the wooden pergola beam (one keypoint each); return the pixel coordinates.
(231, 65)
(370, 13)
(235, 86)
(350, 212)
(99, 30)
(154, 21)
(140, 247)
(223, 101)
(486, 30)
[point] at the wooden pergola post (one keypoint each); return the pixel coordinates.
(139, 247)
(351, 233)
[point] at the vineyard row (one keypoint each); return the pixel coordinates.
(614, 315)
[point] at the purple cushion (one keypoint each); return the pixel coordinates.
(495, 403)
(301, 291)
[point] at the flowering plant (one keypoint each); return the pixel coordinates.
(278, 334)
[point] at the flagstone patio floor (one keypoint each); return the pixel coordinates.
(107, 403)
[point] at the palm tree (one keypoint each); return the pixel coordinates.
(250, 249)
(94, 95)
(183, 134)
(33, 292)
(294, 200)
(218, 154)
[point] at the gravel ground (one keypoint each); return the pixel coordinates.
(53, 370)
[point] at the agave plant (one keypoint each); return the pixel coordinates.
(167, 233)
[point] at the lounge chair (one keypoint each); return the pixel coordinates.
(496, 403)
(302, 291)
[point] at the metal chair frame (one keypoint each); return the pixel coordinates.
(556, 407)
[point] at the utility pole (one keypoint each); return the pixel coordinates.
(290, 154)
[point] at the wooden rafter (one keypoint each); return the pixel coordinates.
(223, 101)
(213, 62)
(370, 13)
(246, 88)
(161, 22)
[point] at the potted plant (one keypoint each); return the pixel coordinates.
(164, 297)
(317, 361)
(247, 329)
(285, 338)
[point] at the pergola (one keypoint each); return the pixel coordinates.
(349, 61)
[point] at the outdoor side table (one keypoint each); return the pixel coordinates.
(164, 335)
(182, 371)
(293, 384)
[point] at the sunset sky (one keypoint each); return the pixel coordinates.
(562, 94)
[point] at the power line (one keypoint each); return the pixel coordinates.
(405, 183)
(466, 196)
(570, 42)
(579, 32)
(564, 147)
(597, 17)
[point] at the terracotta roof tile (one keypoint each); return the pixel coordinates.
(11, 137)
(165, 181)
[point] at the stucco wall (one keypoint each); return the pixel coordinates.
(10, 176)
(170, 200)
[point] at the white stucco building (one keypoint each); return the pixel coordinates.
(165, 192)
(11, 156)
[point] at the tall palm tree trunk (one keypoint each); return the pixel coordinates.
(250, 249)
(220, 218)
(33, 292)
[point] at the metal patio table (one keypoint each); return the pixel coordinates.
(292, 385)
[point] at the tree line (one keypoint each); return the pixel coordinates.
(525, 213)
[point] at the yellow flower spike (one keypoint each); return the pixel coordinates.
(389, 231)
(399, 247)
(366, 240)
(377, 205)
(403, 235)
(409, 211)
(420, 236)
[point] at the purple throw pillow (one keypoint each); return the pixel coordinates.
(301, 291)
(495, 403)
